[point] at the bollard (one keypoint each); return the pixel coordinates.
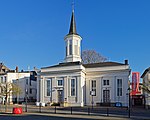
(40, 107)
(26, 110)
(129, 112)
(88, 111)
(55, 109)
(107, 111)
(71, 110)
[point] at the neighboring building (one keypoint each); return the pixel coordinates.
(26, 80)
(72, 83)
(138, 99)
(146, 81)
(3, 69)
(137, 96)
(3, 79)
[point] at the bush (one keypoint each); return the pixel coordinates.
(55, 104)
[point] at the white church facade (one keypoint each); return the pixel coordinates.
(72, 83)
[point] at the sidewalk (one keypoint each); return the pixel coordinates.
(36, 116)
(39, 116)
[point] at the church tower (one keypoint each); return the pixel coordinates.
(73, 42)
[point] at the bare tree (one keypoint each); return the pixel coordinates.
(8, 89)
(91, 56)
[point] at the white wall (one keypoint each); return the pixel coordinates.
(146, 81)
(84, 77)
(20, 79)
(112, 76)
(70, 72)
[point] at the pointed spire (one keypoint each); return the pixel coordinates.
(73, 24)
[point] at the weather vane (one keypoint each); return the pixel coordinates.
(72, 5)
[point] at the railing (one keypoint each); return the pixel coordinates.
(98, 111)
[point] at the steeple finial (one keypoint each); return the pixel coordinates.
(72, 5)
(72, 29)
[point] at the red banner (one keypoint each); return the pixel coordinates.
(135, 82)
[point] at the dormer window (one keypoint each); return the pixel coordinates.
(3, 70)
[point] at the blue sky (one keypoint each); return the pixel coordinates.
(32, 31)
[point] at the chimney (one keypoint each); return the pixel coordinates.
(126, 62)
(17, 69)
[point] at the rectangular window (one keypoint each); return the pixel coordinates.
(27, 81)
(30, 91)
(48, 87)
(60, 82)
(73, 85)
(105, 82)
(66, 51)
(5, 79)
(94, 87)
(93, 83)
(119, 87)
(30, 82)
(70, 47)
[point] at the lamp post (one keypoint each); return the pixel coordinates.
(129, 106)
(26, 91)
(92, 94)
(92, 101)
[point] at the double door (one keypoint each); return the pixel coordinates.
(106, 96)
(60, 96)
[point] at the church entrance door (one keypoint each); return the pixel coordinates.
(60, 94)
(106, 96)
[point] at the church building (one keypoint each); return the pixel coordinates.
(72, 83)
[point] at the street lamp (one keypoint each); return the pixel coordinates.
(129, 106)
(26, 91)
(92, 94)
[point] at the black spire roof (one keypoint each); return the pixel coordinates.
(72, 25)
